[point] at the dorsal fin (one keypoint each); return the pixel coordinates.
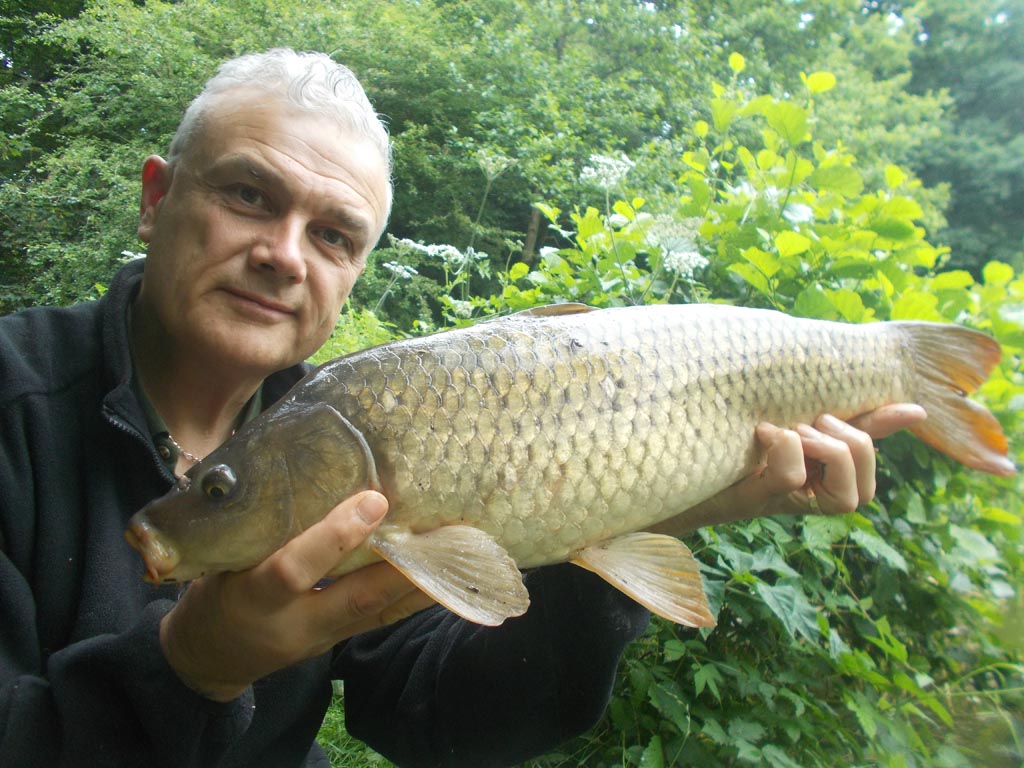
(554, 310)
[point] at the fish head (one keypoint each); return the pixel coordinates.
(277, 476)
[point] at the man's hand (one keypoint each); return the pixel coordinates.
(231, 629)
(825, 468)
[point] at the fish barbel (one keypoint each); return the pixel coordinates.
(551, 435)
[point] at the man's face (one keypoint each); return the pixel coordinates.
(258, 232)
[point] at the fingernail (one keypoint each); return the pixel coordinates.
(806, 430)
(831, 422)
(372, 507)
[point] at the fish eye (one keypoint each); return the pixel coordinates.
(219, 482)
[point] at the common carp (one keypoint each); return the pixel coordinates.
(555, 434)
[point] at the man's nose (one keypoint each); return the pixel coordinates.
(281, 249)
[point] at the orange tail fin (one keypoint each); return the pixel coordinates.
(953, 361)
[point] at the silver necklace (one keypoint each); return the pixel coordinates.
(191, 457)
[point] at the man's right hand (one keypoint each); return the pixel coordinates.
(231, 629)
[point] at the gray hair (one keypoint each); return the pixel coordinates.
(311, 81)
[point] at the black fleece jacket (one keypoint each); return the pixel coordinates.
(82, 679)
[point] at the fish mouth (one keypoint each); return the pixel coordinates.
(159, 556)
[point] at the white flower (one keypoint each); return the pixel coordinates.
(493, 164)
(400, 271)
(131, 255)
(677, 239)
(684, 263)
(463, 309)
(606, 172)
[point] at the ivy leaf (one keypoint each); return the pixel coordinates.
(707, 676)
(668, 700)
(775, 757)
(787, 601)
(653, 755)
(877, 549)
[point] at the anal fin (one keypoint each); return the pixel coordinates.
(657, 571)
(461, 567)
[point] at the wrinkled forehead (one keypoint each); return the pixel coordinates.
(253, 120)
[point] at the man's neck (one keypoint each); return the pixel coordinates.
(200, 401)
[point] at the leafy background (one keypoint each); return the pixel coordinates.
(834, 159)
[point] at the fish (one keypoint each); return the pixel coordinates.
(556, 434)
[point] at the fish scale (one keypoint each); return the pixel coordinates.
(597, 434)
(553, 435)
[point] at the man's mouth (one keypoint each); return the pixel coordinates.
(259, 302)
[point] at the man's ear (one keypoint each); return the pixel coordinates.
(156, 180)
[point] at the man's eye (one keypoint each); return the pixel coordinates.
(334, 238)
(249, 195)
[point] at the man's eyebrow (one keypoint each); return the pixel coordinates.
(234, 164)
(356, 226)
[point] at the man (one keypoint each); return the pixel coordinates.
(275, 189)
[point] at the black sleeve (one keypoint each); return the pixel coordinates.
(436, 690)
(107, 700)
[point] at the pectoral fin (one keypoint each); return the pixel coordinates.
(657, 571)
(461, 567)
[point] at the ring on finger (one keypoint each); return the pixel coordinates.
(812, 502)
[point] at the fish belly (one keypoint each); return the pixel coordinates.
(552, 434)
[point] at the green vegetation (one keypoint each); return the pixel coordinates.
(825, 158)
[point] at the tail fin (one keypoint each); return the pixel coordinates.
(953, 361)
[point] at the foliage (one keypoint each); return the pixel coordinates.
(975, 51)
(775, 160)
(888, 637)
(545, 85)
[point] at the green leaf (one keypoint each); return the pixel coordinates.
(953, 280)
(674, 650)
(877, 549)
(849, 304)
(837, 178)
(997, 273)
(893, 229)
(790, 244)
(813, 302)
(623, 208)
(894, 176)
(714, 731)
(775, 757)
(653, 755)
(737, 63)
(707, 676)
(916, 305)
(787, 601)
(518, 270)
(669, 701)
(819, 82)
(788, 120)
(821, 532)
(766, 263)
(722, 112)
(550, 212)
(858, 703)
(753, 276)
